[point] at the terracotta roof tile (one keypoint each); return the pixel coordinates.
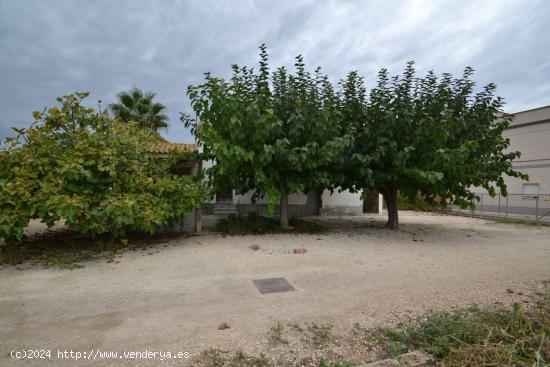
(166, 147)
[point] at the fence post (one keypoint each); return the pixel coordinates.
(507, 196)
(481, 215)
(499, 204)
(537, 209)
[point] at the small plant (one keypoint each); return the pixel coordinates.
(323, 362)
(276, 334)
(254, 247)
(528, 222)
(263, 361)
(240, 359)
(214, 356)
(69, 260)
(320, 334)
(375, 336)
(481, 337)
(395, 348)
(252, 223)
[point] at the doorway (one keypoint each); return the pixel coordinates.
(224, 195)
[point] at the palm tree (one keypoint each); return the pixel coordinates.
(135, 105)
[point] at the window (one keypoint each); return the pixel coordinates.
(530, 190)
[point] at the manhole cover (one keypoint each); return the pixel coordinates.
(272, 285)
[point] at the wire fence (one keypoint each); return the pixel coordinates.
(516, 206)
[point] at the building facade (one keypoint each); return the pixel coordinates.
(529, 133)
(227, 202)
(299, 204)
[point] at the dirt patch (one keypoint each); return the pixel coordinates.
(58, 247)
(302, 345)
(355, 276)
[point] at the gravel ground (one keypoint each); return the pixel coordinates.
(354, 277)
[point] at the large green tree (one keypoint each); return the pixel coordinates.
(138, 106)
(431, 136)
(274, 133)
(92, 171)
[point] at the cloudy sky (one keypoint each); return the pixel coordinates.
(55, 47)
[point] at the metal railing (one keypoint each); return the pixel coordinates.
(516, 206)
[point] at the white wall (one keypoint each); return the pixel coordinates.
(341, 203)
(344, 198)
(247, 198)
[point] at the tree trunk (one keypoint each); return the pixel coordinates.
(314, 201)
(319, 200)
(390, 196)
(283, 210)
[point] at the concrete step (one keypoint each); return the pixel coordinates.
(224, 209)
(226, 212)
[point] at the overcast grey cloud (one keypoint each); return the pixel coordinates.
(55, 47)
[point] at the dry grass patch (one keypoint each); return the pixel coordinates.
(516, 336)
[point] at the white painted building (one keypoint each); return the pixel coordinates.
(336, 203)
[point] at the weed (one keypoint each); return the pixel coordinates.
(528, 222)
(476, 336)
(375, 336)
(276, 334)
(320, 334)
(395, 348)
(215, 356)
(263, 361)
(254, 247)
(323, 362)
(472, 337)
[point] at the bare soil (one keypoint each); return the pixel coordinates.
(352, 278)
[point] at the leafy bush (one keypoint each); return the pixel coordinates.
(256, 224)
(252, 223)
(90, 170)
(418, 204)
(481, 337)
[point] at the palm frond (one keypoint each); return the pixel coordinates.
(136, 105)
